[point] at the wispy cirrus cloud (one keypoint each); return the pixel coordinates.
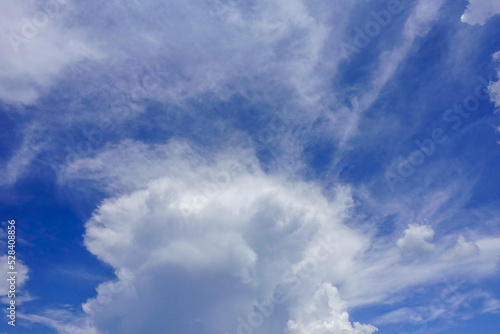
(36, 47)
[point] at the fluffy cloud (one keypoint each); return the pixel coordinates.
(479, 11)
(463, 249)
(312, 316)
(217, 237)
(415, 242)
(226, 221)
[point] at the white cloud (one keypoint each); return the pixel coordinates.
(170, 52)
(494, 87)
(479, 11)
(35, 47)
(462, 249)
(21, 276)
(325, 312)
(278, 50)
(494, 90)
(227, 228)
(212, 48)
(423, 15)
(235, 223)
(415, 242)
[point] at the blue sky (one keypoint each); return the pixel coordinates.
(218, 166)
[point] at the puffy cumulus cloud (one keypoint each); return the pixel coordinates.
(205, 222)
(415, 242)
(324, 313)
(462, 249)
(35, 47)
(218, 238)
(479, 11)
